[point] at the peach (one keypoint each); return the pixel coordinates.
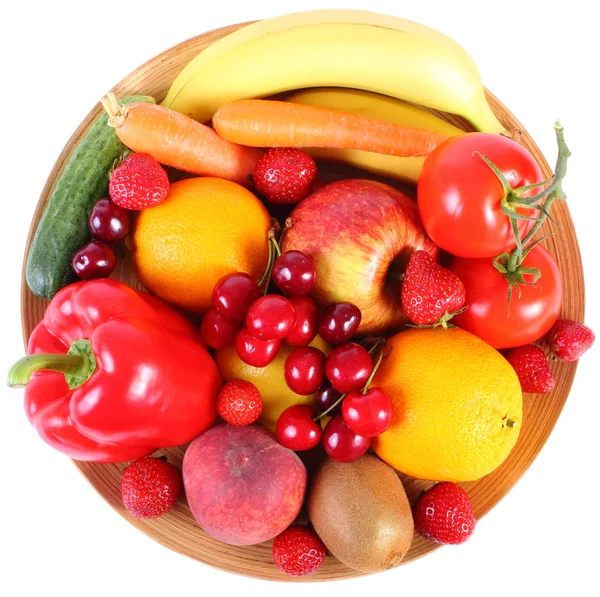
(242, 486)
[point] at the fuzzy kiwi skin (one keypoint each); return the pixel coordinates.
(361, 512)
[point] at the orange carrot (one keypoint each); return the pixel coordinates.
(269, 123)
(176, 140)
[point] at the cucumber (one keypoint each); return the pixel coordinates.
(63, 228)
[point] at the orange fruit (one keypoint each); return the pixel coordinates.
(206, 228)
(269, 380)
(457, 405)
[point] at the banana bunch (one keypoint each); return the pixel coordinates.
(381, 107)
(335, 48)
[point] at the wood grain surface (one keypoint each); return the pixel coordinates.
(178, 530)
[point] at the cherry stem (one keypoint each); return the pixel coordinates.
(366, 386)
(375, 367)
(267, 273)
(376, 342)
(325, 412)
(276, 245)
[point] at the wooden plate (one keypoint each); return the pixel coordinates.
(178, 529)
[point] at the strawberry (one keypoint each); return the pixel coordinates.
(139, 182)
(569, 339)
(239, 402)
(284, 175)
(431, 294)
(298, 551)
(531, 365)
(150, 487)
(444, 514)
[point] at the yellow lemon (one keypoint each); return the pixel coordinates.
(269, 380)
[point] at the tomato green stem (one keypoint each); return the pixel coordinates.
(555, 190)
(510, 264)
(551, 190)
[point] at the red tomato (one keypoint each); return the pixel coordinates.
(532, 313)
(459, 196)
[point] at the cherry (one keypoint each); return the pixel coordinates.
(348, 367)
(218, 331)
(326, 397)
(367, 414)
(304, 329)
(94, 260)
(271, 316)
(296, 429)
(294, 273)
(304, 370)
(253, 351)
(339, 322)
(341, 443)
(233, 294)
(108, 221)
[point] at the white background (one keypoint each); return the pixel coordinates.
(57, 536)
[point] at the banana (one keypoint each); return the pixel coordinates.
(335, 48)
(381, 107)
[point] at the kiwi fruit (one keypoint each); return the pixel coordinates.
(361, 512)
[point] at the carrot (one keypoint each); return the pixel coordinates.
(176, 140)
(269, 123)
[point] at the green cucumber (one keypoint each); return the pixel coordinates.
(63, 228)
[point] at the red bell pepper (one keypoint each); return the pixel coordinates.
(115, 373)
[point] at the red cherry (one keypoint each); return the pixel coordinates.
(294, 273)
(326, 397)
(218, 331)
(271, 316)
(348, 367)
(253, 351)
(94, 260)
(233, 294)
(339, 322)
(341, 443)
(296, 429)
(304, 329)
(304, 370)
(367, 414)
(108, 221)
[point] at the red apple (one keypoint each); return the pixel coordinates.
(360, 234)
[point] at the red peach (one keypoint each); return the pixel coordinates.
(242, 486)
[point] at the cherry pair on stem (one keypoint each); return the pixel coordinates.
(364, 414)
